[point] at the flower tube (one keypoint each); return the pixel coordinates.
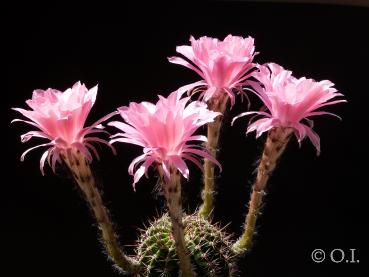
(289, 105)
(224, 67)
(165, 131)
(60, 118)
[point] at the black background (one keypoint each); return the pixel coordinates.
(313, 202)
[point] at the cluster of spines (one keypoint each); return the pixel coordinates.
(208, 246)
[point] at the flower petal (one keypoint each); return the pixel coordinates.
(180, 165)
(180, 61)
(204, 154)
(32, 148)
(314, 138)
(42, 161)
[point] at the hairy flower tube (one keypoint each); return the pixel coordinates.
(60, 118)
(224, 67)
(165, 130)
(289, 102)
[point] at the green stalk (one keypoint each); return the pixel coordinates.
(217, 104)
(274, 147)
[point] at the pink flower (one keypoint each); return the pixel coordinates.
(223, 65)
(60, 118)
(164, 131)
(289, 102)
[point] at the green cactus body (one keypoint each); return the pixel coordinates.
(208, 246)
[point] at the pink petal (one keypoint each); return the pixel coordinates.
(194, 160)
(323, 113)
(186, 51)
(84, 151)
(166, 171)
(261, 126)
(180, 165)
(27, 136)
(190, 87)
(300, 132)
(42, 161)
(141, 171)
(248, 113)
(209, 93)
(93, 149)
(95, 139)
(125, 140)
(122, 126)
(181, 61)
(30, 149)
(314, 138)
(104, 118)
(25, 121)
(55, 158)
(231, 96)
(198, 138)
(137, 176)
(204, 154)
(135, 162)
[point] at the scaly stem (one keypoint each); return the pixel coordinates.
(217, 104)
(81, 170)
(274, 147)
(172, 192)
